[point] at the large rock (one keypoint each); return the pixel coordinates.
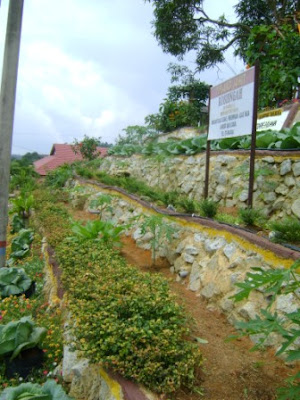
(296, 208)
(285, 167)
(212, 245)
(296, 169)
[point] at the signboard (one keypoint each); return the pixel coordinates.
(273, 119)
(231, 107)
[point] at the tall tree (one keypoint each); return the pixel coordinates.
(183, 25)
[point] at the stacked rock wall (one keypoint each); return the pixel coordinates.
(276, 186)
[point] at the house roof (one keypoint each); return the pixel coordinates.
(60, 154)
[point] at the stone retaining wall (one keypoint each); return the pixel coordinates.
(276, 187)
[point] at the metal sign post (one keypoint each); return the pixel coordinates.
(253, 138)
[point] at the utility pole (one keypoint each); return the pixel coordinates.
(7, 107)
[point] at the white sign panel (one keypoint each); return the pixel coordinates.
(231, 107)
(274, 122)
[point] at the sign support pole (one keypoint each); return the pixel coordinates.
(206, 183)
(253, 138)
(205, 193)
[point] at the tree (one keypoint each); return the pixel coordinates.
(136, 135)
(184, 103)
(183, 25)
(87, 147)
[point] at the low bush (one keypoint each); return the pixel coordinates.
(250, 216)
(287, 230)
(208, 208)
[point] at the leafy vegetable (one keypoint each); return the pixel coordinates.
(19, 335)
(32, 391)
(13, 281)
(20, 245)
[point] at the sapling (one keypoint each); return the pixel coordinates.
(102, 203)
(159, 229)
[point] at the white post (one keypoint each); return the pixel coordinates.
(7, 107)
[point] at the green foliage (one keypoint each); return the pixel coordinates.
(127, 320)
(22, 178)
(20, 245)
(84, 171)
(19, 335)
(22, 205)
(13, 281)
(100, 231)
(275, 282)
(17, 223)
(160, 230)
(59, 176)
(87, 147)
(287, 230)
(288, 138)
(102, 203)
(264, 30)
(188, 205)
(208, 208)
(170, 198)
(134, 137)
(277, 51)
(32, 391)
(250, 216)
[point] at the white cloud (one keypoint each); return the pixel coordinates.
(89, 67)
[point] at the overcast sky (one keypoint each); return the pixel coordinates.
(91, 67)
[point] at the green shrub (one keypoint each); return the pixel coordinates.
(287, 230)
(250, 216)
(127, 320)
(84, 172)
(170, 198)
(188, 205)
(58, 177)
(208, 208)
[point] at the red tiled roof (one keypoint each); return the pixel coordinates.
(60, 154)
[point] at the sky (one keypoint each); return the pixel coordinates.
(92, 68)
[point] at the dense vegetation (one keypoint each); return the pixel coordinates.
(264, 31)
(139, 333)
(286, 139)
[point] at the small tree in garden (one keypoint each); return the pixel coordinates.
(87, 147)
(159, 229)
(275, 282)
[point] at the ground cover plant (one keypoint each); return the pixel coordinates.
(275, 282)
(124, 319)
(127, 320)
